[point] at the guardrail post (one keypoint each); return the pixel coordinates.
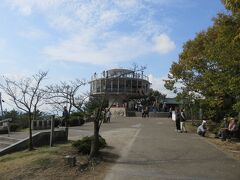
(8, 126)
(52, 131)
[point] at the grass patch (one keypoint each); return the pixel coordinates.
(24, 130)
(37, 152)
(26, 162)
(47, 163)
(190, 128)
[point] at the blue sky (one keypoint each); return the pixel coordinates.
(75, 38)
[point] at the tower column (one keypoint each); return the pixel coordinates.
(118, 85)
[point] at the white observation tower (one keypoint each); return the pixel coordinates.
(119, 85)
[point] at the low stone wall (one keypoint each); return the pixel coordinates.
(39, 139)
(159, 114)
(118, 111)
(151, 114)
(3, 130)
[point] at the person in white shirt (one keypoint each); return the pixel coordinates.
(108, 116)
(201, 130)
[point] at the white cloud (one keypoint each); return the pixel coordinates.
(93, 29)
(62, 22)
(82, 48)
(109, 17)
(127, 3)
(33, 33)
(25, 7)
(163, 44)
(158, 84)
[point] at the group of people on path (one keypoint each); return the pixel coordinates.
(180, 120)
(229, 130)
(180, 123)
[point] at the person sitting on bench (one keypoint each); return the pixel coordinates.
(231, 130)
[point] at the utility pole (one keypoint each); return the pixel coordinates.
(1, 104)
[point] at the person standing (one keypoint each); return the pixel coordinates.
(178, 117)
(143, 112)
(170, 112)
(108, 116)
(65, 117)
(182, 121)
(147, 112)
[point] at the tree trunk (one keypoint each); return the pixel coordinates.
(191, 115)
(95, 142)
(30, 146)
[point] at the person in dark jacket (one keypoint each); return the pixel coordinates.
(178, 117)
(65, 117)
(182, 121)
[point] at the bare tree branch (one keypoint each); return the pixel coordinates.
(26, 95)
(65, 94)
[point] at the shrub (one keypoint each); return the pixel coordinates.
(77, 114)
(14, 127)
(84, 145)
(76, 121)
(73, 122)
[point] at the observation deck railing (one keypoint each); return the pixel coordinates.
(119, 90)
(120, 75)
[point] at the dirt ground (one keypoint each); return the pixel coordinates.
(45, 163)
(231, 148)
(48, 163)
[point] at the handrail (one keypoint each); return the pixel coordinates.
(6, 120)
(7, 125)
(130, 75)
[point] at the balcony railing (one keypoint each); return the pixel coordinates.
(118, 75)
(118, 90)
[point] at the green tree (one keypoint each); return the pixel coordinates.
(209, 67)
(232, 5)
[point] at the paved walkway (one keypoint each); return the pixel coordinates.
(151, 149)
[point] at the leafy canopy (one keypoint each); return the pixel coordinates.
(208, 69)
